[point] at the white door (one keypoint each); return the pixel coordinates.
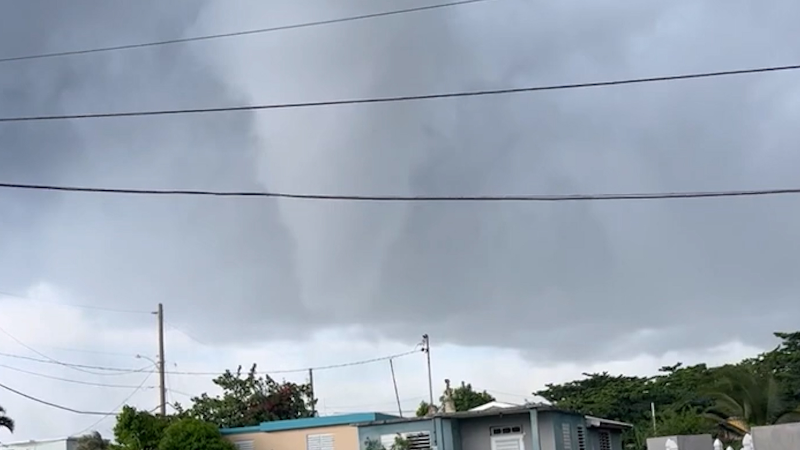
(508, 443)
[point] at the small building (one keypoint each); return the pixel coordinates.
(70, 443)
(313, 433)
(500, 427)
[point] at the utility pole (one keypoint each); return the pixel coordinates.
(311, 388)
(426, 347)
(162, 384)
(396, 392)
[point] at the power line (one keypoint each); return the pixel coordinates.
(122, 371)
(68, 380)
(96, 308)
(53, 360)
(403, 98)
(119, 371)
(54, 405)
(315, 369)
(414, 198)
(208, 37)
(121, 404)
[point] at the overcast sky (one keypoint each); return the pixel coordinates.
(552, 290)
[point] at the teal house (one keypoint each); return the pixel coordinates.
(530, 427)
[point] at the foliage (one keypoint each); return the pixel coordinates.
(139, 430)
(464, 399)
(193, 434)
(249, 400)
(92, 441)
(694, 399)
(747, 396)
(5, 421)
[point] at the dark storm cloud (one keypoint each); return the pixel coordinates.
(566, 280)
(208, 261)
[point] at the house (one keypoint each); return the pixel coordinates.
(313, 433)
(49, 444)
(501, 427)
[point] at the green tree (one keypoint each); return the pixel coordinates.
(466, 398)
(747, 396)
(139, 430)
(193, 434)
(5, 421)
(92, 441)
(423, 409)
(249, 400)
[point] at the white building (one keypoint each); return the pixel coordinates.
(49, 444)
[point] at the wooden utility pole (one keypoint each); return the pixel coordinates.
(311, 388)
(162, 384)
(396, 392)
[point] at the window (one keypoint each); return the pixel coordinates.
(244, 445)
(319, 442)
(495, 431)
(566, 436)
(507, 442)
(605, 440)
(419, 440)
(581, 438)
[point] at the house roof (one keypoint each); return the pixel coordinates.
(494, 405)
(310, 422)
(36, 441)
(608, 423)
(503, 410)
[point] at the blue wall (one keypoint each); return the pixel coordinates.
(441, 429)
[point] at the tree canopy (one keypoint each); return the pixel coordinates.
(193, 434)
(724, 401)
(250, 399)
(464, 399)
(92, 441)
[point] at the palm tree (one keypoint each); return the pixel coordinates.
(5, 421)
(746, 397)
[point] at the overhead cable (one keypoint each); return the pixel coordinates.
(72, 305)
(208, 37)
(399, 98)
(54, 405)
(412, 198)
(122, 371)
(69, 380)
(119, 407)
(116, 370)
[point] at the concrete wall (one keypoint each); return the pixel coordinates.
(344, 438)
(444, 430)
(693, 442)
(475, 431)
(547, 431)
(777, 437)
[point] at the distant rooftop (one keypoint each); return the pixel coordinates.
(310, 422)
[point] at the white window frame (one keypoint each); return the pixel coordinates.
(244, 445)
(320, 436)
(504, 437)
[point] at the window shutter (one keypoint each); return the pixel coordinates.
(581, 438)
(605, 440)
(566, 436)
(244, 445)
(319, 442)
(507, 443)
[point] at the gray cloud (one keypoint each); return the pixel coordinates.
(568, 280)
